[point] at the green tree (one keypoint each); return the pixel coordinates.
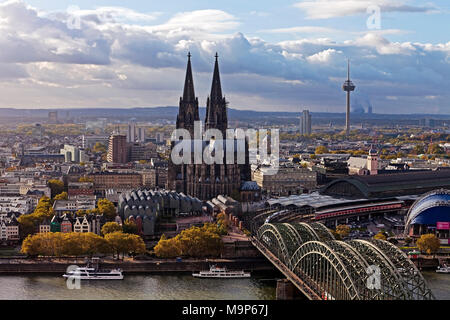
(28, 223)
(435, 148)
(321, 150)
(343, 230)
(380, 236)
(56, 186)
(62, 196)
(123, 243)
(111, 227)
(107, 209)
(99, 148)
(129, 227)
(428, 243)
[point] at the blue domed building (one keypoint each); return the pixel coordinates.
(430, 214)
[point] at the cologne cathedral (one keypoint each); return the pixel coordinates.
(206, 181)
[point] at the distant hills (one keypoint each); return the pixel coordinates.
(170, 113)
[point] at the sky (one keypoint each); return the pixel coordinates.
(285, 55)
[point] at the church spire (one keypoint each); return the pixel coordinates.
(188, 111)
(216, 88)
(216, 106)
(189, 93)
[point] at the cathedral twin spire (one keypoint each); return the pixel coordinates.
(216, 112)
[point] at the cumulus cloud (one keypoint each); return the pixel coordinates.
(126, 61)
(325, 9)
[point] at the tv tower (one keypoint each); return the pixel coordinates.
(348, 87)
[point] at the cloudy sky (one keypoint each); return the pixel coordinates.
(274, 55)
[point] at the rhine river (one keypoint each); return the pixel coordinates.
(161, 287)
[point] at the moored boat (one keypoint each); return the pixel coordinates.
(216, 272)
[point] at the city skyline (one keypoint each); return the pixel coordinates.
(111, 54)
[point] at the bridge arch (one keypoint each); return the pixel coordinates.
(279, 239)
(392, 286)
(407, 270)
(324, 271)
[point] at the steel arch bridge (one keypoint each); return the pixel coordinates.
(325, 268)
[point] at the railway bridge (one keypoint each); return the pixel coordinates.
(324, 268)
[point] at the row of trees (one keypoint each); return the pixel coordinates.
(127, 227)
(193, 242)
(82, 244)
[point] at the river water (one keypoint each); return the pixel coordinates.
(161, 287)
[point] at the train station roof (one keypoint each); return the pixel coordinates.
(314, 200)
(388, 185)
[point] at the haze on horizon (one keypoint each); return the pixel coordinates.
(274, 56)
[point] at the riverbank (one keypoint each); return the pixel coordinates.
(38, 266)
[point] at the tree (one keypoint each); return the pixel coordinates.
(419, 149)
(428, 243)
(62, 196)
(129, 227)
(435, 148)
(222, 224)
(192, 242)
(321, 150)
(408, 240)
(124, 243)
(56, 186)
(380, 236)
(111, 227)
(29, 222)
(99, 148)
(107, 209)
(342, 230)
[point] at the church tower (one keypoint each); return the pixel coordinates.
(187, 115)
(188, 111)
(216, 105)
(372, 161)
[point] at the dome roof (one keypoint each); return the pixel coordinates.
(430, 208)
(373, 151)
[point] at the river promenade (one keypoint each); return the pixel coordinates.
(57, 265)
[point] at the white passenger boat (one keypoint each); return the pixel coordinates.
(443, 269)
(216, 272)
(93, 272)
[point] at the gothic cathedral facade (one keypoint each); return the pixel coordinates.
(206, 181)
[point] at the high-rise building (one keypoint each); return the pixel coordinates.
(118, 149)
(131, 132)
(141, 134)
(305, 123)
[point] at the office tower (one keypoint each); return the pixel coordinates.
(141, 134)
(305, 123)
(131, 132)
(117, 150)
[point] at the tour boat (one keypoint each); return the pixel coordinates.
(86, 273)
(93, 272)
(443, 269)
(216, 272)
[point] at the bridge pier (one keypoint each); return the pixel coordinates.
(285, 290)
